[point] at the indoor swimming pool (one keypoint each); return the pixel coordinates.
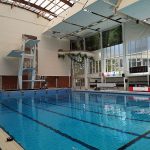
(71, 120)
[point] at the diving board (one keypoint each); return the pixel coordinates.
(15, 53)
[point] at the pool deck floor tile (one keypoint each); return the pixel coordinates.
(8, 145)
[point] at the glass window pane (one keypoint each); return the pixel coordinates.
(116, 50)
(121, 49)
(112, 50)
(145, 63)
(99, 65)
(138, 62)
(121, 62)
(113, 65)
(50, 6)
(130, 63)
(105, 52)
(133, 62)
(144, 44)
(129, 47)
(108, 52)
(109, 65)
(133, 50)
(90, 67)
(96, 66)
(148, 43)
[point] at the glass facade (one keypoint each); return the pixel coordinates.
(113, 58)
(138, 52)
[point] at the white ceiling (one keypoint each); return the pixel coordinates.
(84, 19)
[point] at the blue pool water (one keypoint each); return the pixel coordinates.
(65, 120)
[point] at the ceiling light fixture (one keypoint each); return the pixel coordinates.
(87, 10)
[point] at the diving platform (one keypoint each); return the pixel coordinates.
(15, 53)
(27, 62)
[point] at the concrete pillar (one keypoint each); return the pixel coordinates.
(86, 64)
(124, 58)
(102, 59)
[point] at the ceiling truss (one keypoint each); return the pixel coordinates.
(48, 9)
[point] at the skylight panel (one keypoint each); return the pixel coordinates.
(17, 3)
(36, 10)
(39, 2)
(32, 8)
(33, 1)
(54, 8)
(27, 7)
(50, 17)
(72, 1)
(41, 13)
(46, 14)
(7, 0)
(50, 6)
(60, 4)
(22, 5)
(56, 1)
(65, 7)
(10, 1)
(59, 11)
(45, 3)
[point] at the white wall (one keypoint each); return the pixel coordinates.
(15, 22)
(49, 63)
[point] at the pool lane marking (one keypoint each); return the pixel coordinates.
(91, 105)
(134, 141)
(96, 112)
(88, 122)
(53, 129)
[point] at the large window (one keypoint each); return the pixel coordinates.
(94, 66)
(92, 42)
(76, 45)
(138, 52)
(113, 58)
(112, 37)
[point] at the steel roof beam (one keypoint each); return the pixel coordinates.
(82, 27)
(67, 3)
